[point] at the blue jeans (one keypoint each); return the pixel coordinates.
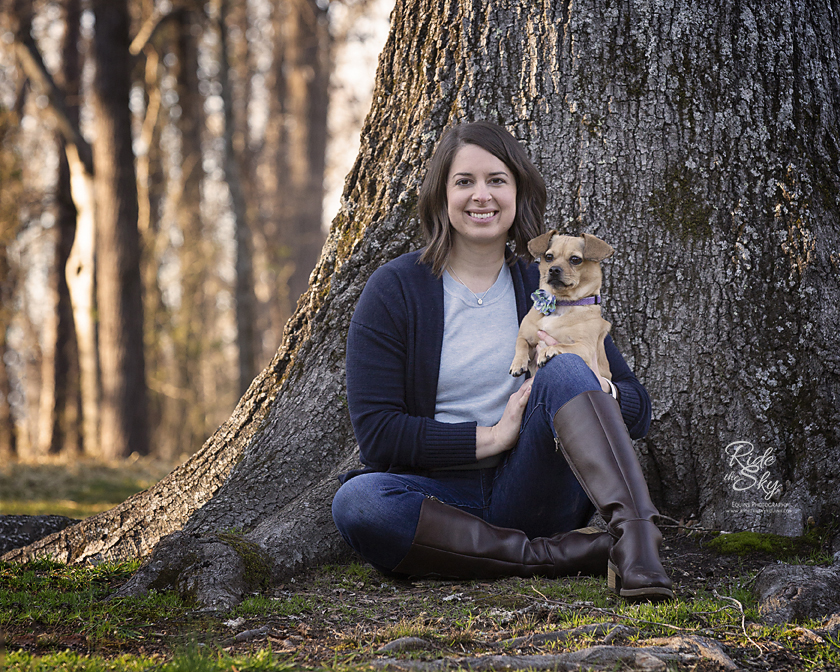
(533, 489)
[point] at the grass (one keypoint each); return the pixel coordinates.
(54, 617)
(75, 489)
(191, 659)
(57, 617)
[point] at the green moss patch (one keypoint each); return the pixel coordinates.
(777, 546)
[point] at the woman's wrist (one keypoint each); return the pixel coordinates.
(487, 443)
(484, 442)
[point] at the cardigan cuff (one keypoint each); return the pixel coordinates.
(448, 445)
(631, 406)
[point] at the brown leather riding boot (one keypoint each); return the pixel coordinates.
(594, 440)
(455, 544)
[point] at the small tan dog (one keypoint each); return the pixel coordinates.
(567, 304)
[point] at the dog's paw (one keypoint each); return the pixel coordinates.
(518, 366)
(546, 355)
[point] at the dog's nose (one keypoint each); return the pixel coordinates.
(555, 272)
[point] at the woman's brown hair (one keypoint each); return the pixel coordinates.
(431, 206)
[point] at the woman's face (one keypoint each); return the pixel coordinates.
(480, 197)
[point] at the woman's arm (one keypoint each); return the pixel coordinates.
(383, 386)
(633, 397)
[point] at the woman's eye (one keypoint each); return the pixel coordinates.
(575, 261)
(548, 256)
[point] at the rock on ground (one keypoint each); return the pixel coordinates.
(20, 531)
(795, 593)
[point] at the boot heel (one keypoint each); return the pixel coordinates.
(613, 578)
(648, 593)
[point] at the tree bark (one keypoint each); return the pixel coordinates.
(124, 427)
(10, 176)
(65, 429)
(187, 412)
(699, 141)
(246, 313)
(79, 268)
(292, 159)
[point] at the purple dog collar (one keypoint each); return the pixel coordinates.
(547, 303)
(588, 301)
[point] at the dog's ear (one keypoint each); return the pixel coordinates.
(537, 246)
(595, 249)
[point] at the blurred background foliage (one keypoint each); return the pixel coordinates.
(242, 120)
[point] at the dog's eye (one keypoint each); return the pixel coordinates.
(548, 256)
(575, 261)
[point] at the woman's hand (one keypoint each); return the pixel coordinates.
(546, 340)
(504, 434)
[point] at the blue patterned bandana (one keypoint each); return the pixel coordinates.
(544, 302)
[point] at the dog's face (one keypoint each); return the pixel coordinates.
(570, 265)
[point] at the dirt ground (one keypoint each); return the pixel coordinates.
(345, 616)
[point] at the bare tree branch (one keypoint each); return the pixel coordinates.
(42, 83)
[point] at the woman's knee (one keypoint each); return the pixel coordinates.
(351, 505)
(567, 374)
(377, 518)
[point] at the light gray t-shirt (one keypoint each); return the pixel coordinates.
(474, 382)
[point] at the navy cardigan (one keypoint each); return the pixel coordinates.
(393, 358)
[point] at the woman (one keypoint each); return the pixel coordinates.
(469, 471)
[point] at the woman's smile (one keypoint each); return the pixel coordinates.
(481, 197)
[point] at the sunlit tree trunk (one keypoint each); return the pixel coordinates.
(292, 161)
(306, 45)
(119, 303)
(701, 141)
(79, 273)
(10, 177)
(187, 411)
(64, 429)
(244, 292)
(79, 268)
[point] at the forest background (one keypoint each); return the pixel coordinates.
(242, 121)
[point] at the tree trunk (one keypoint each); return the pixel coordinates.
(246, 313)
(306, 45)
(118, 286)
(187, 412)
(65, 430)
(293, 158)
(10, 177)
(80, 261)
(79, 273)
(151, 189)
(701, 142)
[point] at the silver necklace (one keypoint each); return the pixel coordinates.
(478, 298)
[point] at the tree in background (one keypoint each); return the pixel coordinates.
(287, 161)
(10, 192)
(61, 411)
(124, 428)
(198, 168)
(701, 142)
